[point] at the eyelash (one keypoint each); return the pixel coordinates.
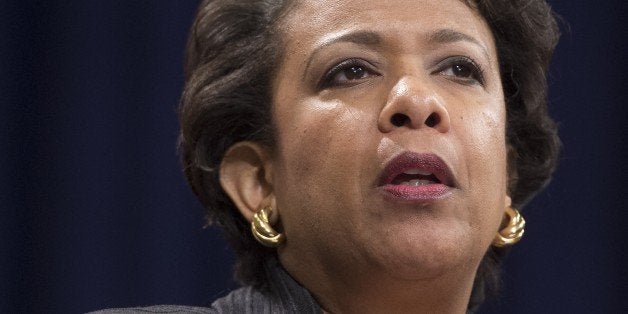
(476, 75)
(328, 79)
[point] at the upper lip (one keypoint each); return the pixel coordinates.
(408, 161)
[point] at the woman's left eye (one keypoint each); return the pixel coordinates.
(464, 70)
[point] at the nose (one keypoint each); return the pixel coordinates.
(414, 105)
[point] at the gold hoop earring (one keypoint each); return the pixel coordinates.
(263, 231)
(513, 232)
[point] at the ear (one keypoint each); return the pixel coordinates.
(513, 175)
(245, 175)
(505, 219)
(507, 201)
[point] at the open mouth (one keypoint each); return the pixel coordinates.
(413, 169)
(415, 177)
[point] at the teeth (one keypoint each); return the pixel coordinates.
(417, 171)
(417, 182)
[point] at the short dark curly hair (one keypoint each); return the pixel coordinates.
(233, 50)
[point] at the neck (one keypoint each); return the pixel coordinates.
(374, 291)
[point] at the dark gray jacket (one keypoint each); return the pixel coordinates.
(283, 296)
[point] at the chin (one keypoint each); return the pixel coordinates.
(428, 253)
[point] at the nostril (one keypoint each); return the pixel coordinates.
(399, 119)
(432, 120)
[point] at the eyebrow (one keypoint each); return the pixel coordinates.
(373, 39)
(364, 38)
(444, 36)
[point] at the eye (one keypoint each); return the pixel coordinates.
(464, 70)
(347, 73)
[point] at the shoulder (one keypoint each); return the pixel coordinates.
(282, 295)
(158, 309)
(245, 300)
(242, 300)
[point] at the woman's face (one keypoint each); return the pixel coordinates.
(391, 137)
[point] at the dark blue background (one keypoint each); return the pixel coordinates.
(96, 212)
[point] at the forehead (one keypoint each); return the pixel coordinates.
(310, 22)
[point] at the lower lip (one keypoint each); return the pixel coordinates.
(416, 194)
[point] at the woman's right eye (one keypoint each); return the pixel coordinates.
(347, 73)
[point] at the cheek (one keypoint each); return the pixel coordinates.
(318, 148)
(318, 167)
(481, 132)
(486, 135)
(307, 134)
(482, 138)
(491, 154)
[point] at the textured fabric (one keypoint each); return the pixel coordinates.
(283, 296)
(158, 309)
